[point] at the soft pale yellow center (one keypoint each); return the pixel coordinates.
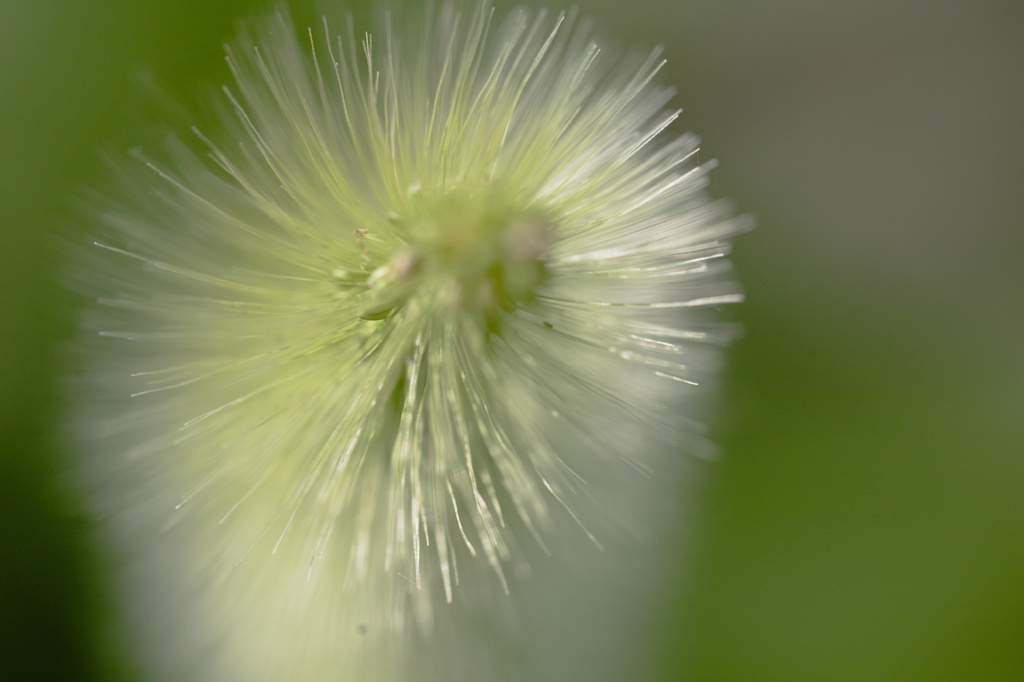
(472, 253)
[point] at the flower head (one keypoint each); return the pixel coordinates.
(394, 326)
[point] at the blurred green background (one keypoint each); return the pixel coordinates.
(866, 520)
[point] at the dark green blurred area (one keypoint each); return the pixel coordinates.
(866, 520)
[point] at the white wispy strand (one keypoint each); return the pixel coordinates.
(417, 312)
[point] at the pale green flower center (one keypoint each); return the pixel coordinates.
(463, 252)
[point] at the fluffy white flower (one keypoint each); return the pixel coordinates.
(406, 320)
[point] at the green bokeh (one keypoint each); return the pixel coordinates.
(865, 521)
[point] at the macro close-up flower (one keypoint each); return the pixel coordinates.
(387, 357)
